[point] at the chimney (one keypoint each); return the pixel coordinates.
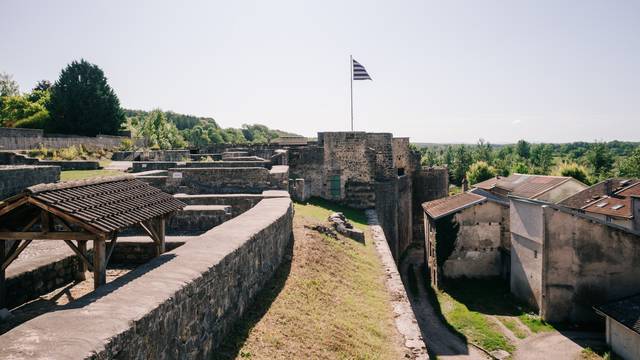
(608, 187)
(465, 184)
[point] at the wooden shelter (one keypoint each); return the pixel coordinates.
(80, 211)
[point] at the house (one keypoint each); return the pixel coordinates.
(467, 235)
(564, 262)
(613, 200)
(622, 319)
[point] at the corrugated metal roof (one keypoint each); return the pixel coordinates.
(617, 205)
(595, 192)
(108, 203)
(523, 185)
(625, 311)
(448, 205)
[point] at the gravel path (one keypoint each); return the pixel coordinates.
(440, 341)
(557, 345)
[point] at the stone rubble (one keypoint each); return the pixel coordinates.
(344, 227)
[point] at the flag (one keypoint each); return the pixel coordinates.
(359, 72)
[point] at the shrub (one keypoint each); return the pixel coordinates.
(573, 170)
(480, 171)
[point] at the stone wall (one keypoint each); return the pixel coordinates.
(152, 155)
(405, 218)
(307, 163)
(242, 180)
(15, 178)
(12, 158)
(24, 139)
(428, 184)
(387, 209)
(179, 305)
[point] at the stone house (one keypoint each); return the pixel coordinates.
(467, 235)
(615, 201)
(623, 326)
(564, 262)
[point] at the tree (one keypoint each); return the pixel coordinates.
(159, 133)
(630, 167)
(600, 159)
(461, 162)
(520, 168)
(480, 171)
(523, 149)
(8, 86)
(542, 158)
(575, 171)
(83, 103)
(42, 85)
(16, 108)
(483, 152)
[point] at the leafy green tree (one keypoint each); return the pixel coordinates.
(484, 151)
(630, 166)
(520, 168)
(600, 159)
(8, 86)
(461, 161)
(575, 171)
(523, 149)
(159, 133)
(83, 103)
(542, 158)
(480, 171)
(16, 108)
(42, 85)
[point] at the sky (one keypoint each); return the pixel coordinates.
(443, 71)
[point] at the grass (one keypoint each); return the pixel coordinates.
(328, 302)
(513, 326)
(86, 174)
(590, 354)
(319, 210)
(535, 323)
(475, 327)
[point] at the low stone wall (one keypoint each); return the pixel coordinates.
(15, 178)
(141, 166)
(151, 155)
(24, 139)
(198, 218)
(12, 158)
(249, 180)
(179, 305)
(239, 202)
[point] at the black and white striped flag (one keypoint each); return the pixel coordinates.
(359, 72)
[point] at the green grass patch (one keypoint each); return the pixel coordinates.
(513, 326)
(319, 210)
(535, 323)
(475, 326)
(86, 174)
(328, 302)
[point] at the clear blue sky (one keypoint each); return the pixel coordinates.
(443, 71)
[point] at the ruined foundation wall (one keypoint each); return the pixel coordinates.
(14, 179)
(24, 139)
(218, 180)
(180, 305)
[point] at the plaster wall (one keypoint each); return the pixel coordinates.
(527, 237)
(624, 342)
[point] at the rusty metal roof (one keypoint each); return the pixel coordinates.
(107, 203)
(596, 192)
(523, 185)
(617, 205)
(625, 311)
(451, 204)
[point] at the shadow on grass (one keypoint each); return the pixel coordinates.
(490, 296)
(232, 344)
(354, 215)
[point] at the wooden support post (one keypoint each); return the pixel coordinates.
(82, 264)
(99, 263)
(3, 289)
(160, 243)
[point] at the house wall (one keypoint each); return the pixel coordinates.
(477, 249)
(587, 263)
(562, 191)
(624, 342)
(527, 237)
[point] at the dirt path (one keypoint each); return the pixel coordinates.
(557, 345)
(440, 341)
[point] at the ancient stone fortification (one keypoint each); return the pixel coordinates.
(180, 305)
(23, 139)
(563, 263)
(13, 158)
(14, 179)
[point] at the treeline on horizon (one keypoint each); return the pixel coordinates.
(584, 161)
(81, 102)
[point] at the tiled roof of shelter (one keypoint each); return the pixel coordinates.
(625, 311)
(524, 185)
(451, 204)
(107, 203)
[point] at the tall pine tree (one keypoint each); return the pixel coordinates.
(83, 103)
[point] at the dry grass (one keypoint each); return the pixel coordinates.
(328, 302)
(86, 174)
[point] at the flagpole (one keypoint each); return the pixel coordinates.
(351, 67)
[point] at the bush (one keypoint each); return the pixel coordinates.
(126, 145)
(575, 171)
(35, 121)
(480, 171)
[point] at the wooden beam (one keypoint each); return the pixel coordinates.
(9, 259)
(148, 228)
(14, 205)
(84, 261)
(160, 244)
(99, 263)
(45, 221)
(112, 246)
(40, 235)
(81, 254)
(65, 216)
(3, 288)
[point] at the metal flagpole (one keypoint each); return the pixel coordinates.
(351, 66)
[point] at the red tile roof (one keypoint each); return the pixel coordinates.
(448, 205)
